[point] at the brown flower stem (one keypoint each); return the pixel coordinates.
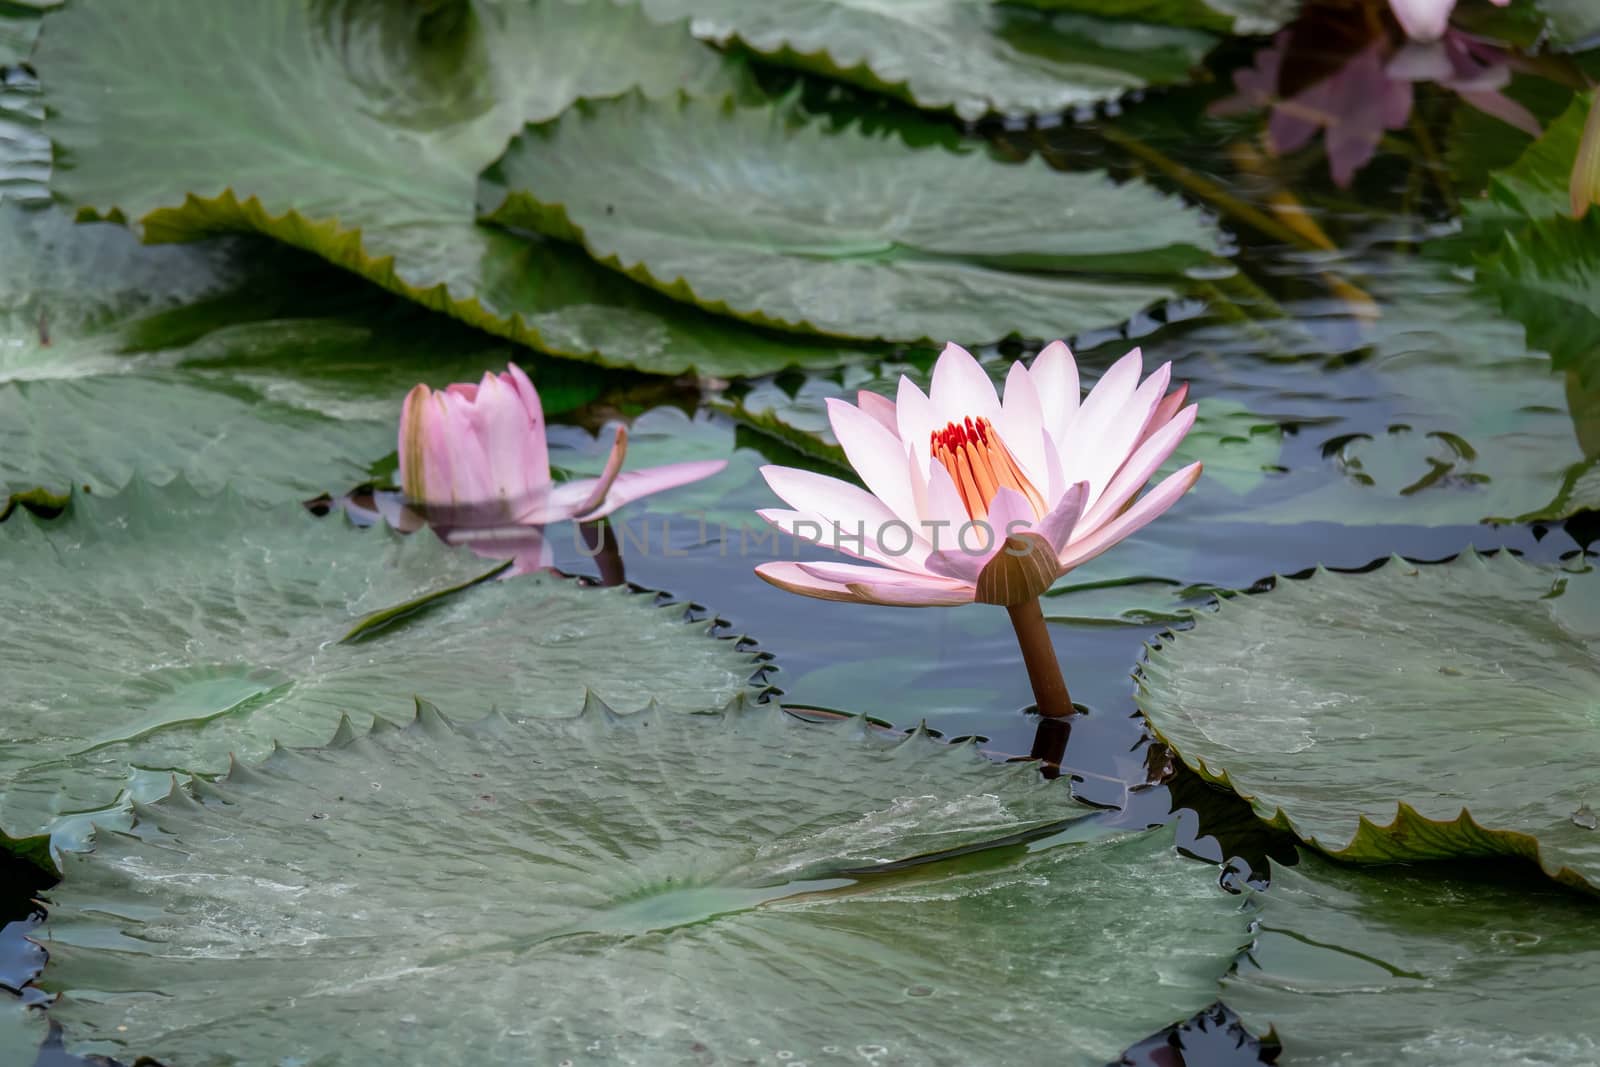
(1039, 656)
(1050, 745)
(601, 544)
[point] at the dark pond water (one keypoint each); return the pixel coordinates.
(1289, 348)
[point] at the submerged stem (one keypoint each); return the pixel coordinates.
(600, 545)
(1039, 656)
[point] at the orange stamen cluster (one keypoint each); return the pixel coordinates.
(980, 465)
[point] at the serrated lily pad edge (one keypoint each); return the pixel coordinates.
(1374, 842)
(496, 201)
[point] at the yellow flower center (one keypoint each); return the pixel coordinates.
(980, 465)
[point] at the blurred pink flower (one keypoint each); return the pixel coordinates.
(1370, 94)
(475, 465)
(1426, 20)
(973, 498)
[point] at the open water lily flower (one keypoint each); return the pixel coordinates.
(971, 497)
(475, 457)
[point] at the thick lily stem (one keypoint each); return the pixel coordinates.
(600, 544)
(1039, 656)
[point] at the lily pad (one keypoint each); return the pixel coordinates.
(19, 27)
(971, 56)
(224, 362)
(22, 1030)
(368, 154)
(1411, 969)
(633, 884)
(751, 212)
(182, 628)
(1372, 714)
(1548, 278)
(1224, 16)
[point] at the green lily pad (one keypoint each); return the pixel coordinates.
(1548, 278)
(22, 1030)
(633, 884)
(182, 628)
(1411, 969)
(369, 154)
(1409, 713)
(19, 28)
(211, 362)
(1535, 186)
(682, 195)
(1434, 412)
(1224, 16)
(971, 56)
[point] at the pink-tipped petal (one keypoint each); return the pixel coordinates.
(504, 429)
(526, 546)
(1121, 433)
(835, 500)
(945, 510)
(814, 529)
(1021, 425)
(877, 586)
(961, 388)
(1153, 503)
(1057, 526)
(880, 408)
(877, 456)
(893, 594)
(1289, 131)
(915, 420)
(790, 578)
(1505, 109)
(1423, 20)
(1055, 380)
(632, 485)
(470, 493)
(1140, 468)
(613, 467)
(1099, 412)
(973, 543)
(1421, 62)
(1170, 405)
(536, 450)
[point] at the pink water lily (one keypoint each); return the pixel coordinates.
(1372, 93)
(971, 497)
(1427, 20)
(475, 464)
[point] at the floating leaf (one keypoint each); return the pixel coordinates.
(797, 225)
(971, 56)
(19, 27)
(632, 884)
(225, 362)
(1372, 714)
(182, 628)
(1548, 278)
(1414, 970)
(21, 1030)
(1225, 16)
(368, 154)
(1422, 407)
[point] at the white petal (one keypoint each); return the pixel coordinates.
(961, 388)
(877, 456)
